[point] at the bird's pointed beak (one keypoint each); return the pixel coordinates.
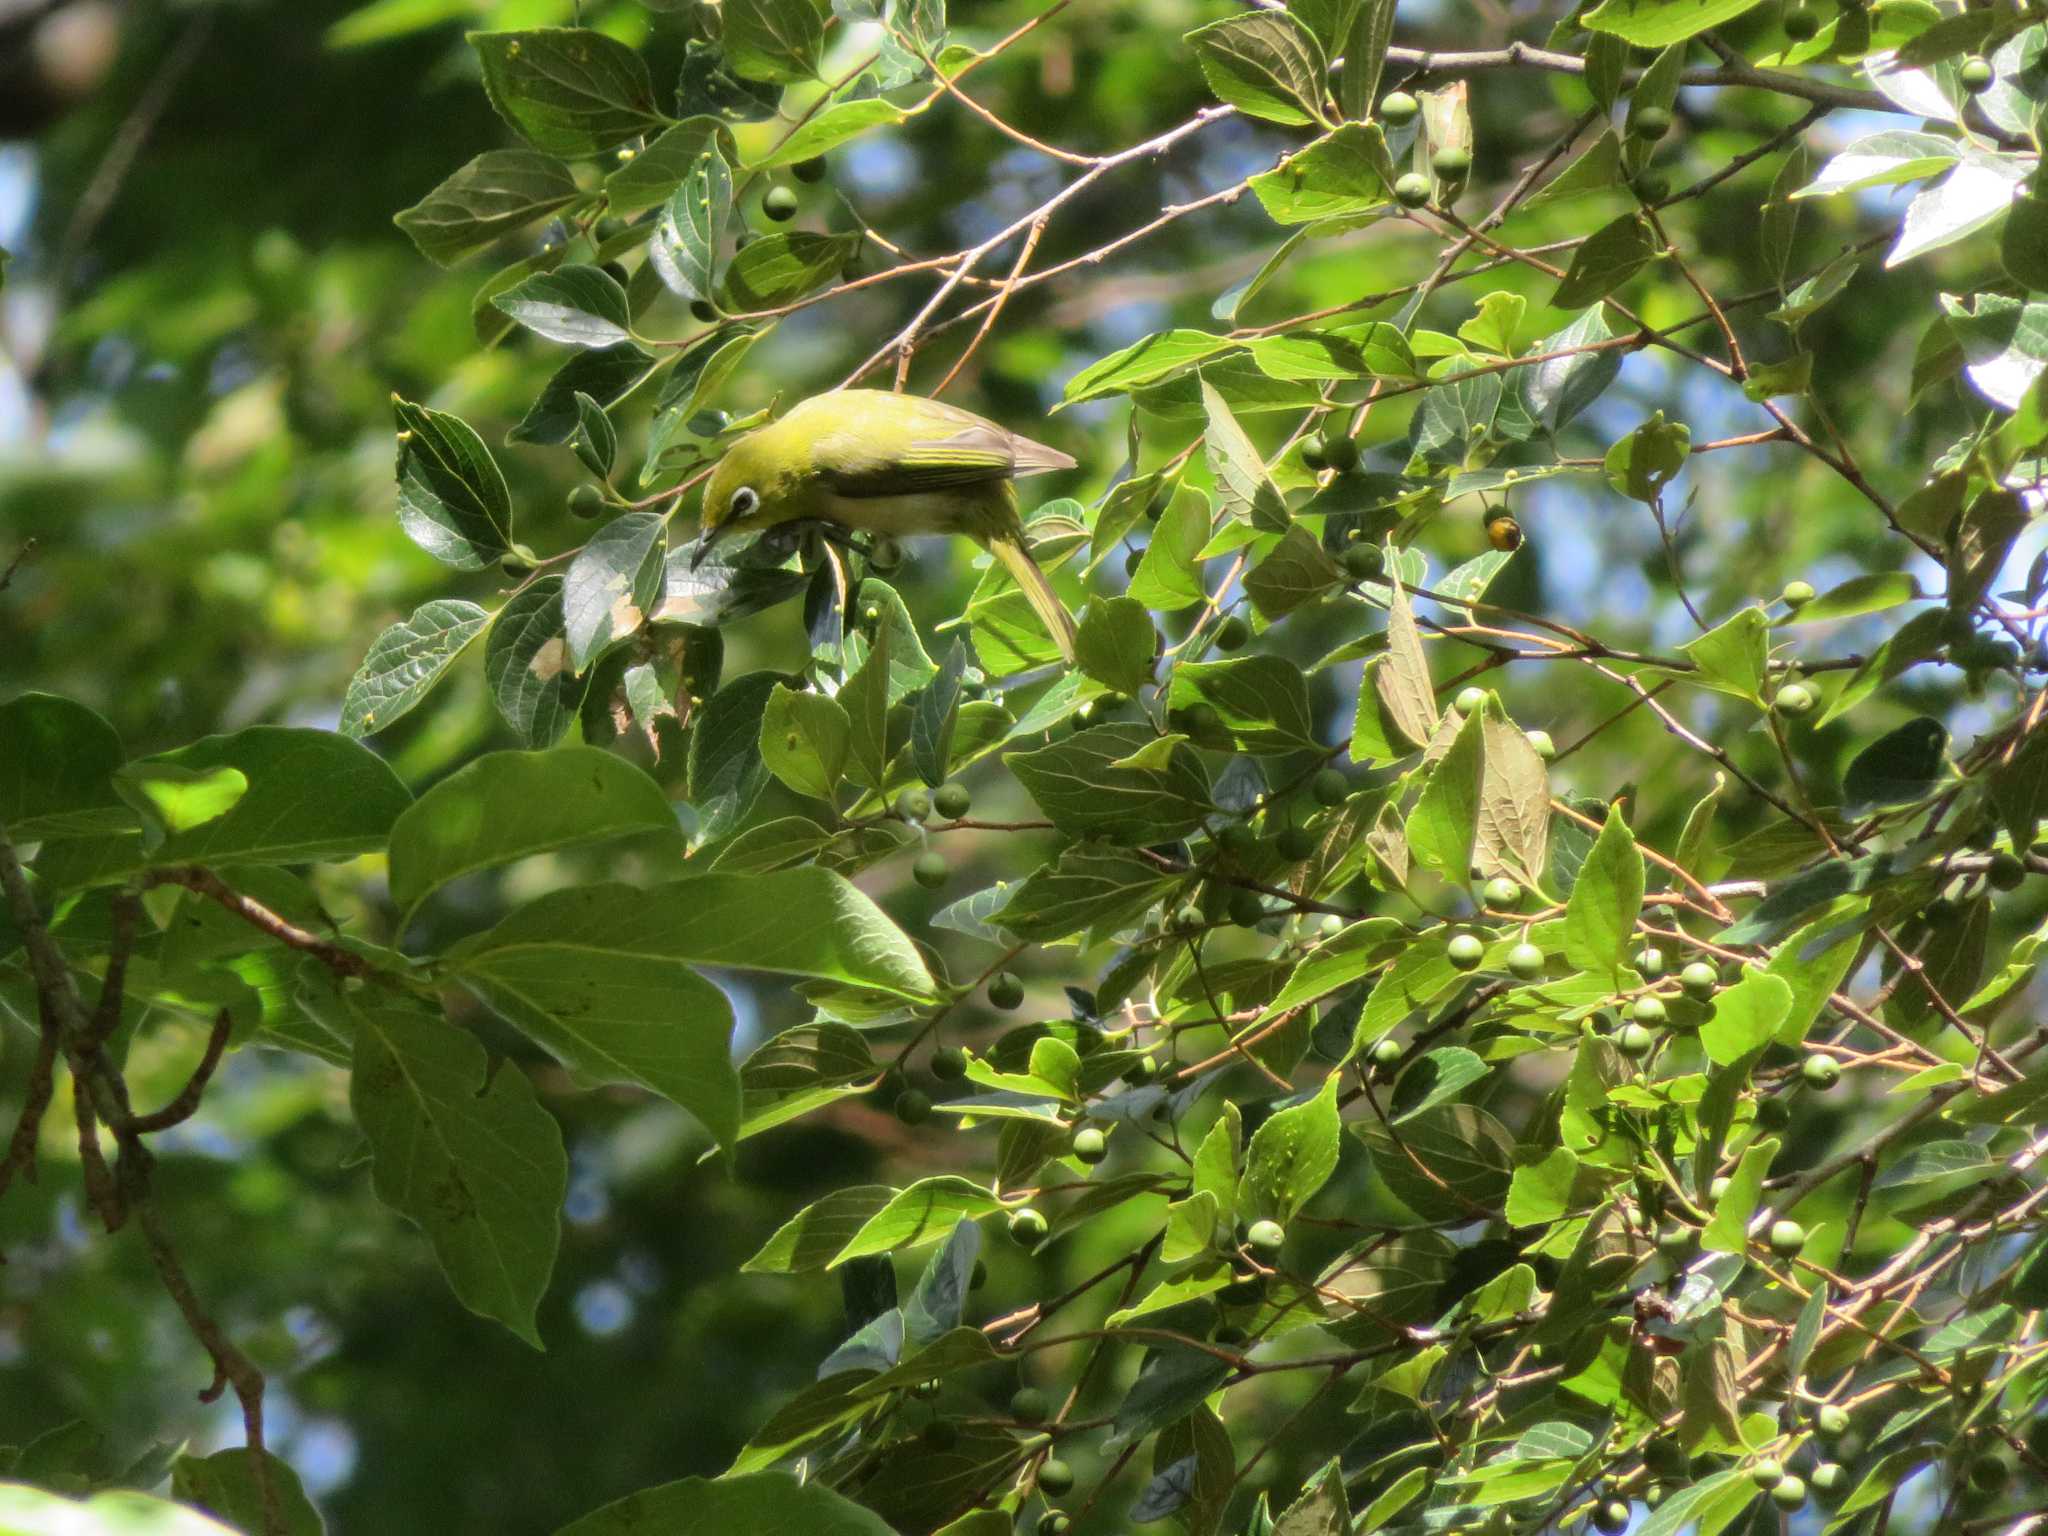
(707, 536)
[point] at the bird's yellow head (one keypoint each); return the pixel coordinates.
(740, 493)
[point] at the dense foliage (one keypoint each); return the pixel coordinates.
(1498, 992)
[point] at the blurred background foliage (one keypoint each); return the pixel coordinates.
(207, 312)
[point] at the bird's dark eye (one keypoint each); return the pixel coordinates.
(744, 501)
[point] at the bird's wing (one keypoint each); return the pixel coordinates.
(946, 448)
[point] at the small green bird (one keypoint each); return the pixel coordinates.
(886, 464)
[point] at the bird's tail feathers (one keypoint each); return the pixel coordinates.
(1009, 548)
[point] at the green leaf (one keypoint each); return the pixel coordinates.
(773, 40)
(1344, 174)
(756, 1501)
(1541, 1190)
(567, 90)
(311, 796)
(1902, 765)
(801, 1070)
(684, 246)
(606, 374)
(1442, 828)
(1559, 388)
(1087, 887)
(1600, 919)
(57, 760)
(865, 698)
(804, 741)
(1453, 1160)
(1266, 64)
(2023, 246)
(1077, 784)
(1403, 681)
(1117, 643)
(1705, 1508)
(31, 1512)
(783, 267)
(935, 715)
(1157, 357)
(612, 583)
(1291, 1156)
(1170, 575)
(809, 1239)
(576, 305)
(726, 770)
(1746, 1016)
(224, 1484)
(1243, 487)
(1856, 596)
(170, 799)
(466, 1153)
(923, 1213)
(1172, 1381)
(500, 191)
(1980, 188)
(651, 177)
(1364, 50)
(2005, 340)
(403, 663)
(506, 806)
(1263, 700)
(1649, 458)
(526, 665)
(452, 499)
(837, 124)
(1880, 159)
(1296, 571)
(1610, 256)
(1657, 23)
(1734, 656)
(1728, 1231)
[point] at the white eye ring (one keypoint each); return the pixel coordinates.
(743, 501)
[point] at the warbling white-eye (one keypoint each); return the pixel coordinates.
(888, 465)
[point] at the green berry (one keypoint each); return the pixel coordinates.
(1540, 740)
(1652, 186)
(949, 1063)
(1789, 1494)
(1141, 1071)
(952, 800)
(913, 805)
(1364, 561)
(1832, 1420)
(913, 1106)
(1787, 1238)
(1649, 123)
(1611, 1518)
(929, 870)
(1266, 1237)
(1676, 1243)
(1794, 700)
(1090, 1145)
(1398, 107)
(1005, 991)
(1028, 1405)
(1465, 951)
(1055, 1476)
(2005, 873)
(1294, 844)
(1232, 634)
(1650, 962)
(586, 501)
(1821, 1072)
(1330, 787)
(1503, 894)
(1247, 908)
(1387, 1053)
(779, 203)
(1634, 1041)
(1469, 701)
(1312, 455)
(1525, 961)
(1767, 1473)
(811, 170)
(1239, 841)
(1027, 1225)
(1975, 76)
(703, 311)
(1053, 1523)
(1802, 24)
(1699, 980)
(1797, 594)
(1451, 163)
(1340, 450)
(1829, 1477)
(1990, 1473)
(1647, 1009)
(1412, 190)
(1773, 1114)
(516, 564)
